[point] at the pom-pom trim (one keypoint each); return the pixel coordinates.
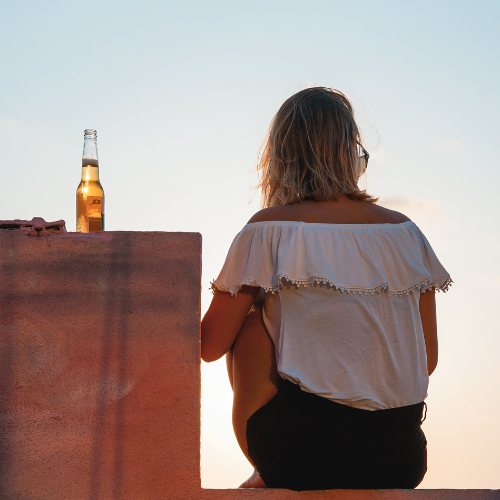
(285, 281)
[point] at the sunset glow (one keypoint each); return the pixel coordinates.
(182, 95)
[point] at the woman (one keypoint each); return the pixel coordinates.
(330, 367)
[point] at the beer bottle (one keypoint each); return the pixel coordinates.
(90, 195)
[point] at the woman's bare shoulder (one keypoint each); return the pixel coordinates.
(354, 213)
(391, 216)
(272, 214)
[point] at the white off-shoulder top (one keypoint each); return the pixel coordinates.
(341, 305)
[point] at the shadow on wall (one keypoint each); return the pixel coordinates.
(114, 347)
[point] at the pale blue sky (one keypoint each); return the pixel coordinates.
(181, 95)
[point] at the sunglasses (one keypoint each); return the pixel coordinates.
(363, 159)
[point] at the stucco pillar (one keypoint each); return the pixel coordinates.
(99, 365)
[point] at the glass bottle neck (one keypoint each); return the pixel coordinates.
(89, 156)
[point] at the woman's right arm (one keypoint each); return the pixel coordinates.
(223, 321)
(427, 307)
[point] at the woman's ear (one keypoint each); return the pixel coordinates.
(361, 166)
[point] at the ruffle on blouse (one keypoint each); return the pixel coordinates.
(352, 258)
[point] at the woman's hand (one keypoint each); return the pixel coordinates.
(224, 320)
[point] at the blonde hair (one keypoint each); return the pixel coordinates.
(310, 151)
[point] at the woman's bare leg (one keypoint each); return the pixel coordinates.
(254, 378)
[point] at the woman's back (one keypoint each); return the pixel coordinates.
(366, 347)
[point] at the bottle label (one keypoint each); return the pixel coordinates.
(94, 206)
(95, 213)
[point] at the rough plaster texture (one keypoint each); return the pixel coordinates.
(99, 365)
(100, 372)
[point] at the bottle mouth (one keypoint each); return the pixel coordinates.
(90, 133)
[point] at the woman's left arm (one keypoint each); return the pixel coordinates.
(223, 321)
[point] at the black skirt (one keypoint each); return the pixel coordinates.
(301, 441)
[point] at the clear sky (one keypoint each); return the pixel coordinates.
(181, 95)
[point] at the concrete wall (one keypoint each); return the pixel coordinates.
(99, 367)
(100, 372)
